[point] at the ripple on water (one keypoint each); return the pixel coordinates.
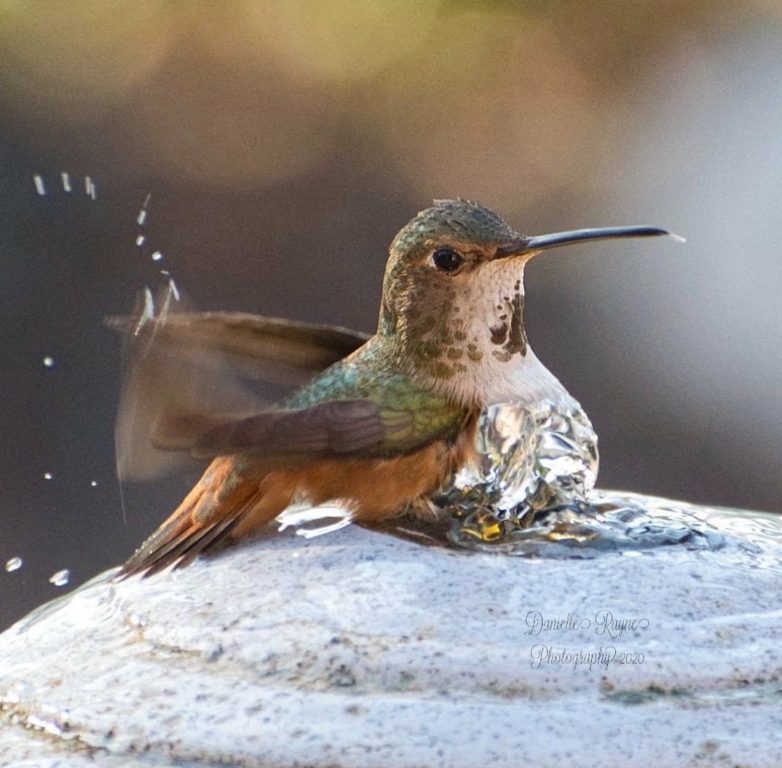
(609, 523)
(612, 522)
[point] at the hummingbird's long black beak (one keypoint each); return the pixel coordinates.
(543, 242)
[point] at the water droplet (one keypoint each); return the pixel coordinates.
(14, 564)
(48, 361)
(140, 240)
(142, 217)
(40, 188)
(66, 181)
(61, 578)
(47, 475)
(94, 483)
(157, 256)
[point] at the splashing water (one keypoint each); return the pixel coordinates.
(297, 516)
(60, 578)
(67, 183)
(531, 458)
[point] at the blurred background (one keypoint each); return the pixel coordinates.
(283, 144)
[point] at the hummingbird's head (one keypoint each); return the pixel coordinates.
(453, 294)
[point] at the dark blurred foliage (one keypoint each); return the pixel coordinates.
(284, 144)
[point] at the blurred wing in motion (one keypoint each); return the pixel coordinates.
(210, 366)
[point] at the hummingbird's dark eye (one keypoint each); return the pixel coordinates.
(447, 259)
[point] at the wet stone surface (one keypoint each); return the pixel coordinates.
(638, 632)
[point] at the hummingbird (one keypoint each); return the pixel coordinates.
(385, 420)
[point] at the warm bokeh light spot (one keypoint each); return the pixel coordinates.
(500, 111)
(80, 58)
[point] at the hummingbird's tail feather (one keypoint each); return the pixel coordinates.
(208, 515)
(181, 550)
